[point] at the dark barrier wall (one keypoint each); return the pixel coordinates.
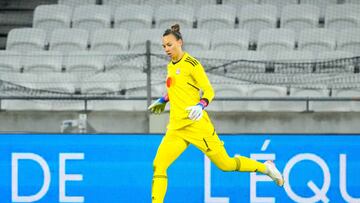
(118, 168)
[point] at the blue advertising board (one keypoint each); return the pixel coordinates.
(118, 168)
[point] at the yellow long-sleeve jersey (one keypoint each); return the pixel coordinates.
(186, 81)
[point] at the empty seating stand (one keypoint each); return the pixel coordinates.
(17, 14)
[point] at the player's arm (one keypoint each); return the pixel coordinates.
(198, 73)
(159, 105)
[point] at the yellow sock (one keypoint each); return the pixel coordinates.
(159, 186)
(250, 165)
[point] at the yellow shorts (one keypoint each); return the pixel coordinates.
(201, 134)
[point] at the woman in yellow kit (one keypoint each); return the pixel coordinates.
(189, 123)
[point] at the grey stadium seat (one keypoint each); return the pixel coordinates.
(139, 37)
(257, 17)
(156, 3)
(299, 17)
(84, 62)
(317, 40)
(181, 14)
(115, 3)
(238, 4)
(50, 17)
(133, 17)
(10, 61)
(266, 91)
(274, 40)
(342, 16)
(196, 39)
(92, 17)
(43, 61)
(68, 40)
(26, 39)
(321, 4)
(235, 40)
(349, 40)
(279, 4)
(214, 17)
(110, 40)
(75, 3)
(196, 3)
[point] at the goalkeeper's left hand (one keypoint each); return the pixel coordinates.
(158, 106)
(196, 112)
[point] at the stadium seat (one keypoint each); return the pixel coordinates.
(257, 17)
(43, 61)
(156, 3)
(26, 40)
(266, 91)
(274, 40)
(132, 17)
(342, 16)
(300, 17)
(317, 40)
(235, 40)
(208, 54)
(68, 40)
(214, 17)
(196, 39)
(74, 3)
(335, 58)
(223, 93)
(279, 4)
(92, 17)
(110, 40)
(133, 80)
(346, 105)
(10, 61)
(127, 61)
(139, 37)
(209, 58)
(333, 55)
(311, 93)
(159, 61)
(196, 3)
(321, 4)
(239, 3)
(55, 82)
(116, 3)
(128, 103)
(290, 61)
(248, 61)
(101, 83)
(84, 62)
(349, 40)
(181, 14)
(47, 84)
(50, 17)
(263, 91)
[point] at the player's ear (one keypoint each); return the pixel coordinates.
(180, 42)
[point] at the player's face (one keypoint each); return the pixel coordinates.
(172, 46)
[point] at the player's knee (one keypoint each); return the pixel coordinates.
(159, 168)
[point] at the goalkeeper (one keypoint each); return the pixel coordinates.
(189, 123)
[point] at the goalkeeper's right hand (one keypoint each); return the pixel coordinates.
(159, 105)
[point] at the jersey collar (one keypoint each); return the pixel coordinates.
(179, 60)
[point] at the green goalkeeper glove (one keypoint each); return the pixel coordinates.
(159, 105)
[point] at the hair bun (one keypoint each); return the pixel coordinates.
(175, 28)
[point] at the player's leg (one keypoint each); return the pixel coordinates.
(218, 155)
(169, 150)
(214, 148)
